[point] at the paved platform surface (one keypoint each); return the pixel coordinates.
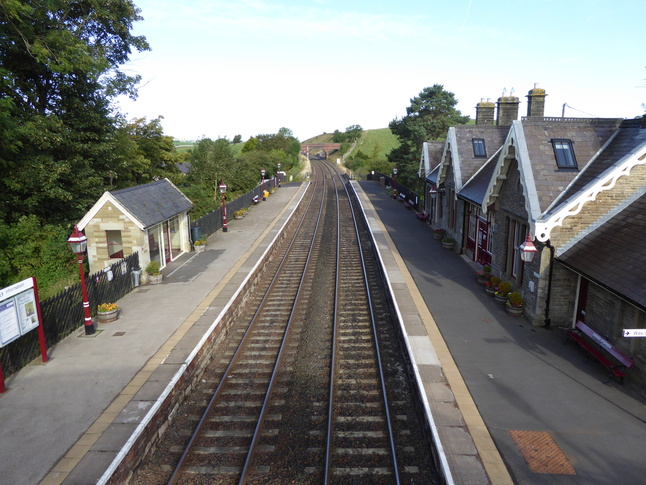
(502, 388)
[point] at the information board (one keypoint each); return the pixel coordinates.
(18, 313)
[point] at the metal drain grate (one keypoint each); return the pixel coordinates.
(541, 453)
(118, 334)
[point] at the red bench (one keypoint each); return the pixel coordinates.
(594, 343)
(423, 216)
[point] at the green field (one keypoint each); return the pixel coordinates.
(374, 143)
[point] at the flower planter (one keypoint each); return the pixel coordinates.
(447, 245)
(500, 299)
(491, 290)
(200, 248)
(481, 279)
(514, 311)
(238, 217)
(107, 317)
(155, 279)
(438, 236)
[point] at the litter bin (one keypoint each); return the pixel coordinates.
(196, 233)
(136, 275)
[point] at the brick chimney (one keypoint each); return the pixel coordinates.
(507, 108)
(536, 102)
(485, 111)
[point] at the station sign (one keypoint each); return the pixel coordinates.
(635, 332)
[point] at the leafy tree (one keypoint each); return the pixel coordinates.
(428, 117)
(237, 139)
(211, 163)
(59, 71)
(353, 133)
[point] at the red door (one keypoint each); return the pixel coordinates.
(483, 256)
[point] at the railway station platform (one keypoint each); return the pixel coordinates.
(492, 379)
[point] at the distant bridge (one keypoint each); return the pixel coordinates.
(325, 147)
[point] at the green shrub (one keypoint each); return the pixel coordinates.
(494, 280)
(504, 287)
(515, 299)
(153, 268)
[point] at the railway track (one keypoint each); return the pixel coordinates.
(311, 386)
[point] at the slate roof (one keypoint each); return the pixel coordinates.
(629, 136)
(153, 203)
(588, 136)
(614, 255)
(476, 188)
(493, 136)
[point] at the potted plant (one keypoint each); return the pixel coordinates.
(200, 245)
(239, 214)
(515, 304)
(491, 286)
(504, 287)
(483, 276)
(108, 312)
(154, 273)
(438, 233)
(447, 242)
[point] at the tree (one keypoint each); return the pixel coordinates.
(237, 139)
(211, 163)
(428, 117)
(59, 72)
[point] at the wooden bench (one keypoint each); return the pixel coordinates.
(423, 216)
(594, 344)
(408, 204)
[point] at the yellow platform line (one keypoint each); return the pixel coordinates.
(489, 454)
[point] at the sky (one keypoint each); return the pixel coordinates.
(249, 67)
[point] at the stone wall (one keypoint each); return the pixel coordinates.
(109, 218)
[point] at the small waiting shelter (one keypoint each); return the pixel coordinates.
(151, 219)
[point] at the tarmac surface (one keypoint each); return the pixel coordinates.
(514, 404)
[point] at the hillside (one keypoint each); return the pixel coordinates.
(376, 144)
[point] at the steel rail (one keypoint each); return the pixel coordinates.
(179, 468)
(376, 337)
(328, 448)
(263, 410)
(391, 438)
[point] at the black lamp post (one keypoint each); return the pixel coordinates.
(527, 250)
(395, 183)
(223, 190)
(78, 244)
(262, 183)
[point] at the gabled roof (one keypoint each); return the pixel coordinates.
(461, 154)
(476, 187)
(530, 143)
(431, 155)
(614, 254)
(146, 205)
(432, 176)
(625, 150)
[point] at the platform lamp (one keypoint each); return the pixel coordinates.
(395, 183)
(223, 190)
(78, 244)
(527, 250)
(278, 174)
(262, 183)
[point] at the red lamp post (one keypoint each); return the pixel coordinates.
(223, 190)
(527, 250)
(78, 243)
(262, 183)
(279, 173)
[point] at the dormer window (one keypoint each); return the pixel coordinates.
(479, 149)
(564, 153)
